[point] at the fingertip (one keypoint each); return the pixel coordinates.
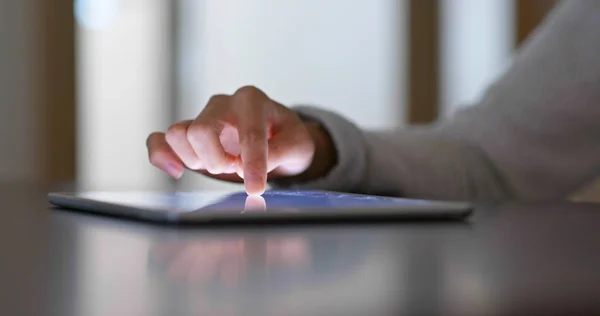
(255, 185)
(255, 177)
(254, 190)
(174, 170)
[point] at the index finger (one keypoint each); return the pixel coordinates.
(252, 130)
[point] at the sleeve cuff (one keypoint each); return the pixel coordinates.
(350, 146)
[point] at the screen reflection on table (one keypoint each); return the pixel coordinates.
(217, 270)
(134, 268)
(225, 261)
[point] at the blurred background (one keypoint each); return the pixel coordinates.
(82, 83)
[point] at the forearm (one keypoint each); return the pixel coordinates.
(415, 162)
(427, 162)
(534, 135)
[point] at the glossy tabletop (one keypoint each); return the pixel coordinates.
(512, 259)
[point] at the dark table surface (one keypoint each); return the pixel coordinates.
(512, 259)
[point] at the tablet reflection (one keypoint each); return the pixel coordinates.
(224, 261)
(268, 271)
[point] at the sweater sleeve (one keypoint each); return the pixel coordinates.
(534, 135)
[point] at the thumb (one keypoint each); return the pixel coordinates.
(290, 152)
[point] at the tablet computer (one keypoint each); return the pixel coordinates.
(276, 205)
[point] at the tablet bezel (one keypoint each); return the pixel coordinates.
(427, 211)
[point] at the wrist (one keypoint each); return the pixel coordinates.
(325, 157)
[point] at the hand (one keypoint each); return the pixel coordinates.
(243, 136)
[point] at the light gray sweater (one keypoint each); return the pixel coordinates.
(534, 135)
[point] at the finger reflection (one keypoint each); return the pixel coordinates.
(215, 268)
(255, 203)
(226, 261)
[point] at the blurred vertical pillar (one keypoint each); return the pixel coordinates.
(19, 153)
(423, 61)
(476, 44)
(124, 79)
(529, 15)
(55, 98)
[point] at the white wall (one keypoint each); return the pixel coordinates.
(339, 54)
(123, 91)
(477, 41)
(18, 154)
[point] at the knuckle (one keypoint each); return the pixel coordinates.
(215, 165)
(176, 132)
(256, 174)
(254, 135)
(249, 92)
(212, 169)
(198, 132)
(217, 99)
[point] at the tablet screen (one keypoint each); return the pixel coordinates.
(222, 201)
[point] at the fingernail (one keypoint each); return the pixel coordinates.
(174, 170)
